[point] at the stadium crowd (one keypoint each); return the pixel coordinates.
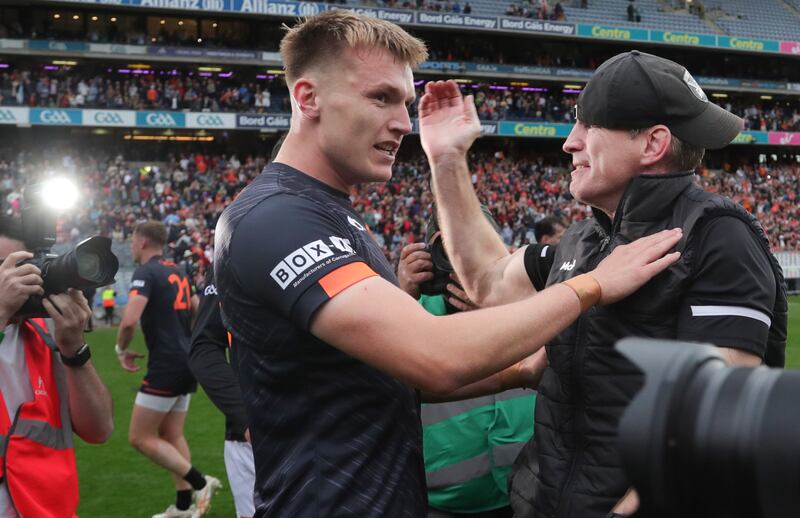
(202, 91)
(195, 92)
(188, 193)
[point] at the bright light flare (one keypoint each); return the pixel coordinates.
(59, 194)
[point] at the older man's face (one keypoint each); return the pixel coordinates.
(604, 162)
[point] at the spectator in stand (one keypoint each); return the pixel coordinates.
(548, 231)
(633, 12)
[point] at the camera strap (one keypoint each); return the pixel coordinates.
(48, 339)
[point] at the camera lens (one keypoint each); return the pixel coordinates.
(703, 439)
(89, 267)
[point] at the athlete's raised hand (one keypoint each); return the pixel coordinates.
(448, 122)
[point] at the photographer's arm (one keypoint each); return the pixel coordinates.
(90, 407)
(448, 126)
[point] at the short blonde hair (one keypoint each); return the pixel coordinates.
(318, 39)
(153, 231)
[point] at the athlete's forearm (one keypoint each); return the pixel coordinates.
(473, 348)
(472, 245)
(441, 354)
(506, 379)
(125, 335)
(90, 406)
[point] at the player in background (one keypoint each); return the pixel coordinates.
(161, 297)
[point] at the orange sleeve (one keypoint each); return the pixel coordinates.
(344, 277)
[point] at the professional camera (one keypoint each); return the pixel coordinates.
(442, 268)
(90, 264)
(703, 439)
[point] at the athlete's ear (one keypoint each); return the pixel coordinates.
(304, 95)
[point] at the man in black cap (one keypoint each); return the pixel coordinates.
(643, 126)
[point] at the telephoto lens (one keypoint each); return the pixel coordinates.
(704, 439)
(90, 264)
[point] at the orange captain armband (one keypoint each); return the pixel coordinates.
(342, 278)
(586, 288)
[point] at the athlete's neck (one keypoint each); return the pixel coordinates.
(149, 254)
(309, 159)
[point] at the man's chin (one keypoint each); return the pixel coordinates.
(378, 175)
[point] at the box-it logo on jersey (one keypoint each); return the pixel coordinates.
(305, 257)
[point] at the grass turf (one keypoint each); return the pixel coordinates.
(116, 481)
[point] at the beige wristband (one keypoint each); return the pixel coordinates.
(586, 288)
(510, 377)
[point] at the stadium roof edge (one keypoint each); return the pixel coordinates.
(437, 20)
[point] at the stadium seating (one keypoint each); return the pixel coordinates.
(613, 12)
(763, 19)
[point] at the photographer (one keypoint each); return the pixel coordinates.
(44, 395)
(486, 431)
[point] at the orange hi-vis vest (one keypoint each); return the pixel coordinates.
(37, 460)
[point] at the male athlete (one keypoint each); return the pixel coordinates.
(330, 349)
(162, 297)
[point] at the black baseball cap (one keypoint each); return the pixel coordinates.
(636, 90)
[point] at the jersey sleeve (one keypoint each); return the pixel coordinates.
(142, 281)
(538, 261)
(292, 255)
(208, 326)
(207, 359)
(732, 294)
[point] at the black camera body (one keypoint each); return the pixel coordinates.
(442, 267)
(703, 439)
(90, 264)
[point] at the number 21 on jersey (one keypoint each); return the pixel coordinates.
(183, 299)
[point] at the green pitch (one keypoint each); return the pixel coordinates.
(793, 343)
(118, 482)
(115, 480)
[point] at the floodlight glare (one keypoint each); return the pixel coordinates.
(59, 194)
